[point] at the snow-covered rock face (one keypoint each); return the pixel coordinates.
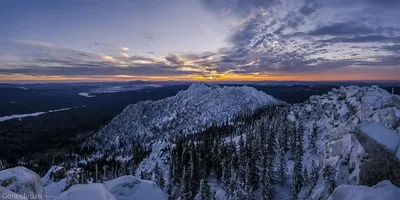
(160, 155)
(130, 187)
(382, 135)
(336, 116)
(188, 111)
(22, 181)
(384, 190)
(95, 191)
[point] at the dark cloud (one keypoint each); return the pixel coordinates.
(309, 7)
(83, 54)
(98, 68)
(174, 59)
(393, 48)
(342, 28)
(362, 39)
(136, 57)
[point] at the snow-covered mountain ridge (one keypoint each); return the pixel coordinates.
(237, 160)
(189, 111)
(335, 117)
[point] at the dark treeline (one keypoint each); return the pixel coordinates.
(248, 157)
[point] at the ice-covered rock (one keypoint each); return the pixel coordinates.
(95, 191)
(22, 181)
(130, 187)
(384, 190)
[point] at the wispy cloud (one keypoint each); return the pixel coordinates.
(33, 42)
(270, 39)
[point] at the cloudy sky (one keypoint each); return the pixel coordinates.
(90, 40)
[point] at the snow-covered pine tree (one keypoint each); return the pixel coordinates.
(329, 176)
(97, 173)
(312, 137)
(249, 187)
(282, 169)
(185, 185)
(159, 176)
(305, 176)
(313, 178)
(205, 191)
(105, 173)
(297, 182)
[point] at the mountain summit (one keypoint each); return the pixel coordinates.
(188, 111)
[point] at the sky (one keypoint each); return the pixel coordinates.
(246, 40)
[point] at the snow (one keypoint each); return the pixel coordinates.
(86, 94)
(56, 188)
(337, 115)
(187, 112)
(8, 194)
(397, 112)
(130, 187)
(22, 181)
(384, 136)
(159, 155)
(18, 116)
(95, 191)
(384, 190)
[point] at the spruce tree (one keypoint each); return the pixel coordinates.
(205, 190)
(305, 176)
(297, 182)
(282, 169)
(159, 176)
(313, 136)
(329, 175)
(185, 185)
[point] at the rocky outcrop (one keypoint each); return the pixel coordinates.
(384, 190)
(335, 116)
(22, 181)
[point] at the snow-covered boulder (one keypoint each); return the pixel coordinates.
(8, 194)
(55, 174)
(22, 181)
(382, 135)
(130, 187)
(56, 188)
(384, 190)
(95, 191)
